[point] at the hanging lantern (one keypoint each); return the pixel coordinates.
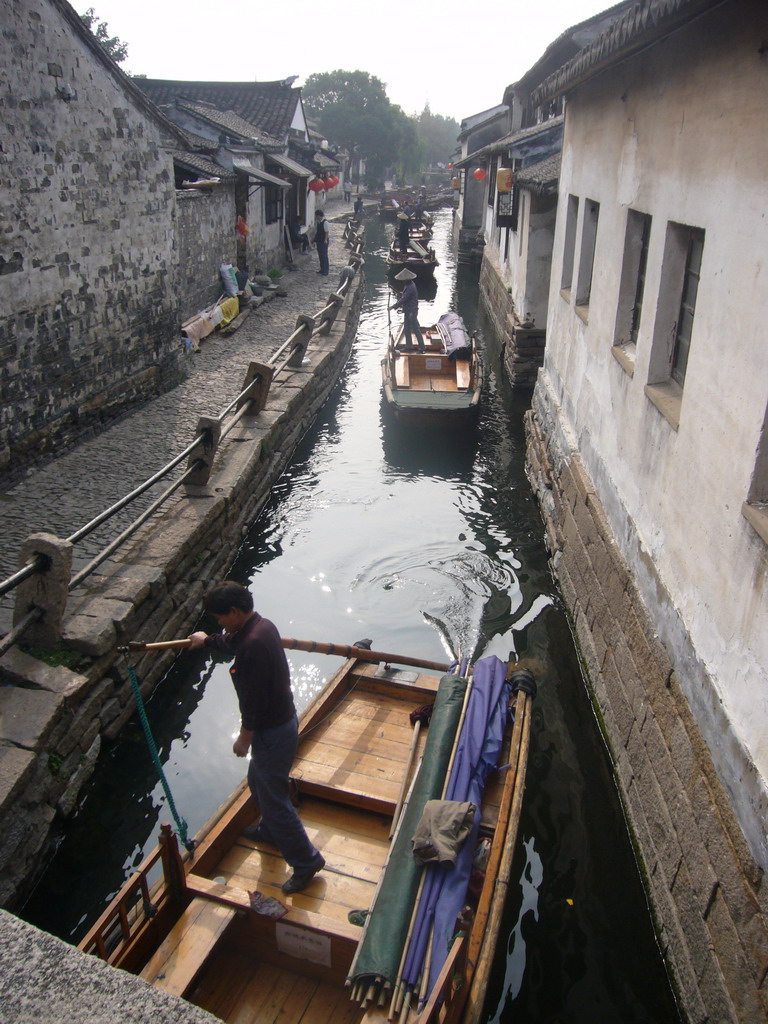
(334, 181)
(316, 185)
(450, 167)
(479, 174)
(456, 182)
(504, 179)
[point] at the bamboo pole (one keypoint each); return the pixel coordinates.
(397, 999)
(311, 646)
(406, 772)
(483, 940)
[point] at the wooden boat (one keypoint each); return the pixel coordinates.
(419, 258)
(439, 386)
(217, 930)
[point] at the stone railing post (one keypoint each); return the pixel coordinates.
(307, 325)
(47, 589)
(204, 452)
(256, 385)
(331, 311)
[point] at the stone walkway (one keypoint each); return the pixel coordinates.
(68, 492)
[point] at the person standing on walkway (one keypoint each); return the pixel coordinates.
(321, 241)
(359, 208)
(269, 726)
(409, 303)
(347, 191)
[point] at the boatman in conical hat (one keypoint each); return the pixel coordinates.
(269, 727)
(409, 303)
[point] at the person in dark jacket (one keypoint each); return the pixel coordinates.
(321, 241)
(403, 230)
(268, 723)
(409, 303)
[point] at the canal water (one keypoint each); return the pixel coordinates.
(428, 543)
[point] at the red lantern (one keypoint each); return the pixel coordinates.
(333, 181)
(479, 173)
(316, 185)
(450, 167)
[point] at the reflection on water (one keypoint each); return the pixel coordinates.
(430, 543)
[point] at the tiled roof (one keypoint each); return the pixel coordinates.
(232, 122)
(646, 22)
(541, 177)
(510, 140)
(201, 165)
(270, 106)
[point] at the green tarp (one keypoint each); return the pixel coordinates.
(382, 945)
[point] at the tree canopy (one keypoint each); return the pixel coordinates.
(353, 110)
(116, 49)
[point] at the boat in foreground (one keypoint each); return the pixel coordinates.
(439, 386)
(375, 936)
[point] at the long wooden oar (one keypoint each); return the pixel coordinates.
(312, 647)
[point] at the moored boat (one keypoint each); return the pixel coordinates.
(440, 385)
(373, 937)
(419, 257)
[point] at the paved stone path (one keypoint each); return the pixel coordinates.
(68, 492)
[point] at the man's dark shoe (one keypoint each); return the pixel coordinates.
(300, 880)
(257, 833)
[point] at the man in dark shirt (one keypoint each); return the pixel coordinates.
(268, 723)
(409, 303)
(321, 242)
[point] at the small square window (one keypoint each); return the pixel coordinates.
(631, 288)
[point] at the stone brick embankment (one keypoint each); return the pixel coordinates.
(54, 719)
(523, 345)
(708, 895)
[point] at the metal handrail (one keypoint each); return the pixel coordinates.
(38, 563)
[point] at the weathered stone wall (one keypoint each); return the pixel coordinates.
(53, 720)
(707, 892)
(523, 347)
(205, 225)
(87, 268)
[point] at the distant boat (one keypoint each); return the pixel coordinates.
(419, 257)
(440, 385)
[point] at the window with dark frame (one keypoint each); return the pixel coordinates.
(273, 204)
(684, 326)
(569, 243)
(587, 254)
(632, 284)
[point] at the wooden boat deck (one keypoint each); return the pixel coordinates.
(207, 943)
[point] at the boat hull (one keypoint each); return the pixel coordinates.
(432, 388)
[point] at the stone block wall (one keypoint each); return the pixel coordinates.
(523, 347)
(53, 720)
(205, 226)
(708, 895)
(88, 312)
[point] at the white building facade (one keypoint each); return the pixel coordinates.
(649, 451)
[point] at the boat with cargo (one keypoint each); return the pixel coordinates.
(389, 929)
(440, 385)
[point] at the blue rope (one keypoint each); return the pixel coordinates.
(181, 825)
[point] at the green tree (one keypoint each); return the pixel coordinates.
(116, 49)
(437, 135)
(352, 109)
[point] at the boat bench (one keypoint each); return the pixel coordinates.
(187, 946)
(463, 375)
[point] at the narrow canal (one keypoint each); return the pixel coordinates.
(428, 544)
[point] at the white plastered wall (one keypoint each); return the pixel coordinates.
(681, 133)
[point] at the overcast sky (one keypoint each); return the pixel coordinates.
(457, 56)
